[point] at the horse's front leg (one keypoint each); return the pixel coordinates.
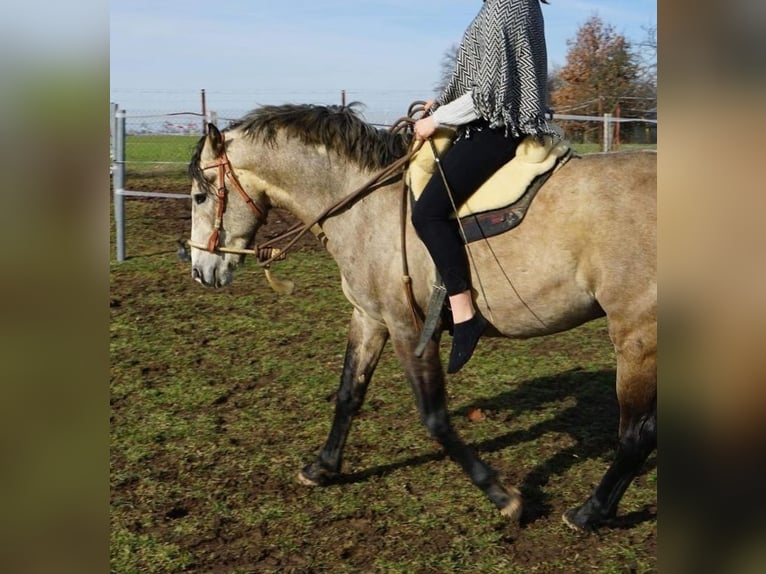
(427, 379)
(366, 340)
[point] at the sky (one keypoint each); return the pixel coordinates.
(244, 53)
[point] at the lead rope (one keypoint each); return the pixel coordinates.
(406, 123)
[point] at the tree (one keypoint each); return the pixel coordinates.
(648, 74)
(554, 81)
(648, 55)
(601, 72)
(447, 67)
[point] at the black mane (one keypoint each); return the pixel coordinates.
(338, 128)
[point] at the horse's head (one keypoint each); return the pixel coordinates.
(227, 209)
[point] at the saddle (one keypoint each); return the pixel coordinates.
(502, 201)
(497, 206)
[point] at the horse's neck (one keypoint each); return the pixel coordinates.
(306, 184)
(305, 181)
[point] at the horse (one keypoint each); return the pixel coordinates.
(586, 249)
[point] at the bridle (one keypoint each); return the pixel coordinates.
(225, 172)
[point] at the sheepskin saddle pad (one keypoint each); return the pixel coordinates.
(501, 202)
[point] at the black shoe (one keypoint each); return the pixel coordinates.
(464, 339)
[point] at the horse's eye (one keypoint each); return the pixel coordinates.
(200, 198)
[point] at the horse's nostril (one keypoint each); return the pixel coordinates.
(196, 274)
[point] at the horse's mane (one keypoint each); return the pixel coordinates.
(338, 128)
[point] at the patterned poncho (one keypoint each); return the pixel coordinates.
(502, 58)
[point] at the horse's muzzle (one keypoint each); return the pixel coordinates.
(214, 279)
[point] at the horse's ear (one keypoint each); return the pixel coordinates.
(214, 139)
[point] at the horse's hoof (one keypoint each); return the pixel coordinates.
(574, 519)
(512, 510)
(305, 480)
(315, 474)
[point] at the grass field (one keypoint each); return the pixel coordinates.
(218, 398)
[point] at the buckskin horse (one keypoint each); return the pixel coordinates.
(587, 248)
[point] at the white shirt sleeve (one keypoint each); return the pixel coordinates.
(457, 112)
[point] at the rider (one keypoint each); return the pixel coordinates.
(495, 97)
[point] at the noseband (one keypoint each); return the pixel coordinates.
(225, 172)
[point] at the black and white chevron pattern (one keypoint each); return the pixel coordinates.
(503, 59)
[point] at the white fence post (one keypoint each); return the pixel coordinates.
(112, 134)
(118, 183)
(607, 132)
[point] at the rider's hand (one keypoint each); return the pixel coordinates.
(428, 105)
(424, 128)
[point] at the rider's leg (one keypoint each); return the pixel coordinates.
(467, 164)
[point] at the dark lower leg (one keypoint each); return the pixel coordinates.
(636, 444)
(366, 341)
(480, 473)
(427, 380)
(451, 261)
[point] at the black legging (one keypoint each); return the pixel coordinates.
(467, 164)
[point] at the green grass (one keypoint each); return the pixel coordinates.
(158, 161)
(160, 148)
(597, 147)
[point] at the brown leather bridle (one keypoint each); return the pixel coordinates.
(225, 172)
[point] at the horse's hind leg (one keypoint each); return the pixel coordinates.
(427, 379)
(366, 340)
(637, 396)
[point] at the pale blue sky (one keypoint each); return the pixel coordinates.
(385, 53)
